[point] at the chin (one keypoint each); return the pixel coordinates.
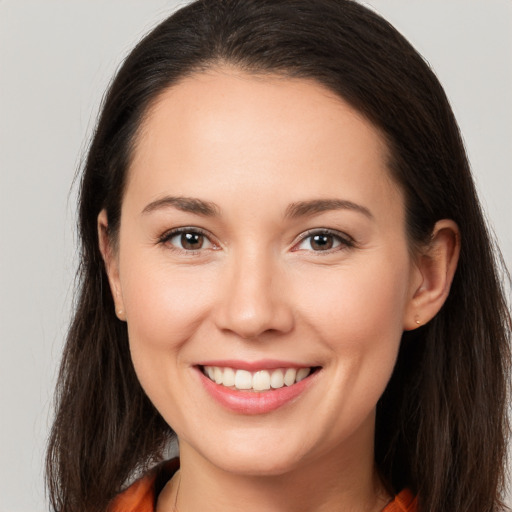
(256, 458)
(257, 465)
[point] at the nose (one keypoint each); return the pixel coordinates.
(254, 298)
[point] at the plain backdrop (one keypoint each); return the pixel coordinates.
(56, 59)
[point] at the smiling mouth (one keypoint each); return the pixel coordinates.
(258, 381)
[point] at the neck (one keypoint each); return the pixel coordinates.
(341, 480)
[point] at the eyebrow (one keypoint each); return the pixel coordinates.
(316, 206)
(294, 210)
(186, 204)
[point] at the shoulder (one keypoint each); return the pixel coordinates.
(403, 502)
(141, 495)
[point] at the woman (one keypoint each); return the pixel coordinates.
(285, 265)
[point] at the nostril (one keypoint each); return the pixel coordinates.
(253, 324)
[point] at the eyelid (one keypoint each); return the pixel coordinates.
(171, 233)
(346, 241)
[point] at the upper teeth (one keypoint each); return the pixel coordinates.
(257, 381)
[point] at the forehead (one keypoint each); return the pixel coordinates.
(226, 126)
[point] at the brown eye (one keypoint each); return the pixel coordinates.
(187, 239)
(191, 241)
(322, 242)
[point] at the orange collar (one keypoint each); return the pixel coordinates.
(403, 502)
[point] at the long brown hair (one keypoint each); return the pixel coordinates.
(441, 423)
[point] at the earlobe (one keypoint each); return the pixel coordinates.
(111, 264)
(436, 267)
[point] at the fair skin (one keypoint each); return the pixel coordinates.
(293, 255)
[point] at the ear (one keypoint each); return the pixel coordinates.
(434, 271)
(111, 264)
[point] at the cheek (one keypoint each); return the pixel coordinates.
(367, 296)
(165, 306)
(357, 312)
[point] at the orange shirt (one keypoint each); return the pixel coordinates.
(141, 495)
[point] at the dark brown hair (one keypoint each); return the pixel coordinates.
(441, 423)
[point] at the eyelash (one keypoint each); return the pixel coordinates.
(343, 241)
(169, 235)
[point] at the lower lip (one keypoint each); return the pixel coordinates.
(255, 402)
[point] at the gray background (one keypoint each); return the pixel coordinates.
(56, 58)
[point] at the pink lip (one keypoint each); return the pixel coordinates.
(253, 366)
(251, 402)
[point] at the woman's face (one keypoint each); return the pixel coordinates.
(262, 241)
